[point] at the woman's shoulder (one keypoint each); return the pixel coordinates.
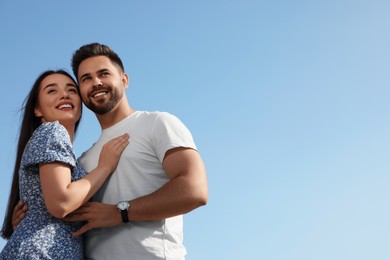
(48, 134)
(50, 126)
(49, 129)
(50, 142)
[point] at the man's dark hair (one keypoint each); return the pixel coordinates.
(93, 50)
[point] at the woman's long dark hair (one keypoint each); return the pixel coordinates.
(29, 124)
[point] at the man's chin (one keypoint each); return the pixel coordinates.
(100, 109)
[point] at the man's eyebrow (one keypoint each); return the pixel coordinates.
(85, 75)
(103, 70)
(99, 71)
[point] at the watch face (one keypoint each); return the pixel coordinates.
(123, 205)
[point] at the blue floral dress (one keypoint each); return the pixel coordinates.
(40, 235)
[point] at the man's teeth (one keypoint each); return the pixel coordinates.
(65, 106)
(99, 94)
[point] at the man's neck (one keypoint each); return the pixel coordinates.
(114, 116)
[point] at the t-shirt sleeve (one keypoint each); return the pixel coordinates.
(50, 143)
(169, 132)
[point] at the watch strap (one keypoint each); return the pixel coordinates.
(125, 216)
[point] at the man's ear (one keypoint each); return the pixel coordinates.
(125, 80)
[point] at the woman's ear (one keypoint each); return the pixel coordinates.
(37, 112)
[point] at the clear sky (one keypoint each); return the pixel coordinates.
(288, 102)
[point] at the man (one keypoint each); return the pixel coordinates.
(137, 213)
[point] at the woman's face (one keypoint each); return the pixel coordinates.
(58, 99)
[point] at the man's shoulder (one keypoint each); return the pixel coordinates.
(154, 115)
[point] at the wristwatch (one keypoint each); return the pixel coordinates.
(123, 206)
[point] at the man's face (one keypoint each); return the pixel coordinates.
(102, 84)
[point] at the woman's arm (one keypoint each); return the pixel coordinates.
(186, 190)
(63, 196)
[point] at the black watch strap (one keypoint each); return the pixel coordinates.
(123, 207)
(125, 216)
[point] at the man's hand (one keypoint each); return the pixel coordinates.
(19, 213)
(96, 214)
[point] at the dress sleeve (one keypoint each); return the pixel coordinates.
(49, 143)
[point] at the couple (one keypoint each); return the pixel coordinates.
(154, 172)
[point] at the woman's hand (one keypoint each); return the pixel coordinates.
(19, 213)
(63, 196)
(111, 152)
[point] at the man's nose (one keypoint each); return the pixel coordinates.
(97, 82)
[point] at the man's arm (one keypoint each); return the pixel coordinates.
(19, 213)
(186, 190)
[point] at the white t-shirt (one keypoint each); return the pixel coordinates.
(139, 172)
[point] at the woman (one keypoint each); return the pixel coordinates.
(51, 181)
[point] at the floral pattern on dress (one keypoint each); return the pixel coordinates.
(41, 235)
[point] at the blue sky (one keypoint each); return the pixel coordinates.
(288, 102)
